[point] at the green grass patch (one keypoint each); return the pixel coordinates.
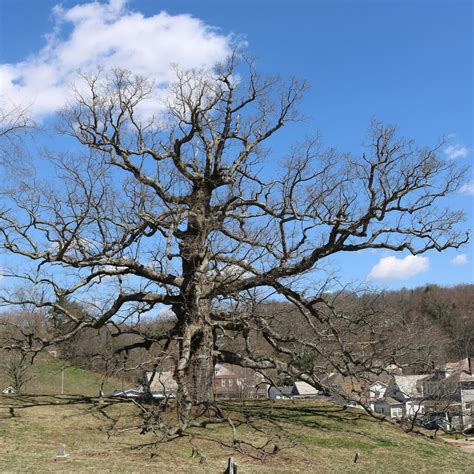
(46, 379)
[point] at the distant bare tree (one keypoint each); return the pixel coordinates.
(179, 210)
(16, 369)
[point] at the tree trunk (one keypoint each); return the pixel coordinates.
(200, 371)
(195, 367)
(195, 370)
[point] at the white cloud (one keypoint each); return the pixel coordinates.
(460, 259)
(456, 151)
(467, 188)
(108, 35)
(399, 268)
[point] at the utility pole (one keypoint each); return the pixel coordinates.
(62, 380)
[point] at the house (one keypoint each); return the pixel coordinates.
(462, 384)
(450, 389)
(377, 390)
(463, 365)
(353, 392)
(438, 385)
(9, 390)
(232, 381)
(446, 394)
(390, 394)
(225, 382)
(251, 383)
(341, 388)
(296, 391)
(410, 395)
(407, 389)
(459, 383)
(280, 392)
(228, 382)
(466, 386)
(389, 407)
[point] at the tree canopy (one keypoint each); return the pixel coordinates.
(179, 203)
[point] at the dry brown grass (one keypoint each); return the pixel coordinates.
(325, 439)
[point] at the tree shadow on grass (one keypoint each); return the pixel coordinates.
(19, 402)
(258, 429)
(303, 421)
(327, 417)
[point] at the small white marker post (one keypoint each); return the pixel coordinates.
(62, 455)
(231, 466)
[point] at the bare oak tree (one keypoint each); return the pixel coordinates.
(186, 208)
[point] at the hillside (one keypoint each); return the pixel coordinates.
(311, 437)
(46, 379)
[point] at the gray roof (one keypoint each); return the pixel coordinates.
(222, 371)
(388, 401)
(304, 388)
(457, 366)
(407, 384)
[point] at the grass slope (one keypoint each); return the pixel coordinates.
(323, 439)
(46, 379)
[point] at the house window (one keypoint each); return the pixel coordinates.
(397, 412)
(468, 407)
(223, 383)
(230, 382)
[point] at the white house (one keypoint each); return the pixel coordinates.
(377, 390)
(407, 389)
(389, 406)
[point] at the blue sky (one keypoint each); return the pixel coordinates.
(405, 62)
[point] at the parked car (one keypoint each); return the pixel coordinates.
(434, 421)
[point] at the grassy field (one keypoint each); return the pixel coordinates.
(312, 437)
(100, 435)
(46, 379)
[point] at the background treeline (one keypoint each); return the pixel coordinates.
(445, 313)
(437, 321)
